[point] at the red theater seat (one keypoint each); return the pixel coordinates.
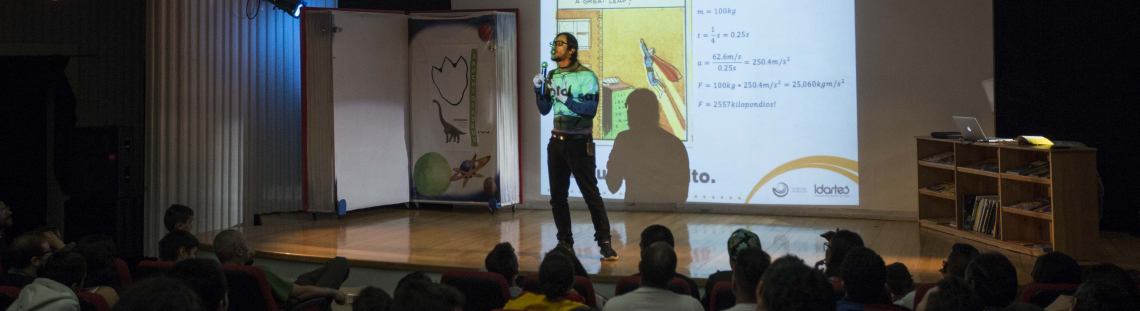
(13, 292)
(1042, 295)
(149, 268)
(721, 297)
(124, 273)
(920, 292)
(484, 290)
(96, 301)
(249, 290)
(582, 285)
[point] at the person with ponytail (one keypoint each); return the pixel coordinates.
(556, 277)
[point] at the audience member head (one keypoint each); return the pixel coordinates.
(206, 278)
(417, 276)
(177, 245)
(5, 216)
(179, 217)
(230, 247)
(1111, 273)
(750, 266)
(739, 240)
(864, 276)
(426, 296)
(371, 299)
(579, 269)
(67, 268)
(555, 275)
(29, 252)
(1056, 268)
(951, 294)
(99, 250)
(159, 293)
(837, 248)
(899, 280)
(658, 265)
(1101, 295)
(790, 285)
(49, 230)
(1021, 306)
(502, 260)
(960, 256)
(654, 234)
(993, 278)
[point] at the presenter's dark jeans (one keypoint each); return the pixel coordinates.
(565, 158)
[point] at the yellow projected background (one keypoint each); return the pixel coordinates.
(614, 51)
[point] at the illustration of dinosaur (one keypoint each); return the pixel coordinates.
(450, 131)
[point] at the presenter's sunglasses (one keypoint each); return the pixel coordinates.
(557, 43)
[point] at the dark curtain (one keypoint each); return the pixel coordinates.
(37, 111)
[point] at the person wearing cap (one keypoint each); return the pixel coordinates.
(740, 239)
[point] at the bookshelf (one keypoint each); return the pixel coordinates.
(1071, 186)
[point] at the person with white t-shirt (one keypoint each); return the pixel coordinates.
(658, 265)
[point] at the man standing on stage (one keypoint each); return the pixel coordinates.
(571, 91)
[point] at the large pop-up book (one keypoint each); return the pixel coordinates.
(399, 108)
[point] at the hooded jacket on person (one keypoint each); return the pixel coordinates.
(46, 294)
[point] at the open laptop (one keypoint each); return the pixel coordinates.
(972, 130)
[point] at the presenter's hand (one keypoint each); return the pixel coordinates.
(558, 93)
(538, 80)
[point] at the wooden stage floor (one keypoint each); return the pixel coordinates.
(437, 241)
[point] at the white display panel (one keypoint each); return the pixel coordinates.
(369, 79)
(760, 94)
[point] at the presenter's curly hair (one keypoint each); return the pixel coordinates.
(571, 43)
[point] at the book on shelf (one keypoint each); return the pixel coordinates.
(987, 165)
(967, 209)
(942, 187)
(943, 221)
(1034, 204)
(941, 158)
(985, 214)
(1030, 166)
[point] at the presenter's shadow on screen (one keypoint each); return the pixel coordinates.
(651, 161)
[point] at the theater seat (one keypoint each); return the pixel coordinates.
(1042, 295)
(485, 291)
(721, 296)
(631, 283)
(149, 268)
(582, 285)
(124, 273)
(97, 302)
(920, 291)
(249, 290)
(10, 291)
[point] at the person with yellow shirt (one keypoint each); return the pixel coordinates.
(556, 275)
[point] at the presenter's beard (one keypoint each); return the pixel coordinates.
(555, 57)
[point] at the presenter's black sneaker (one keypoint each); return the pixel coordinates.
(608, 253)
(566, 245)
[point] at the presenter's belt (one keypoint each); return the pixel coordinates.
(562, 136)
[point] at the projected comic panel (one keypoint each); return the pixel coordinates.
(744, 102)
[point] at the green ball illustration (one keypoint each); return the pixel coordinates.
(432, 174)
